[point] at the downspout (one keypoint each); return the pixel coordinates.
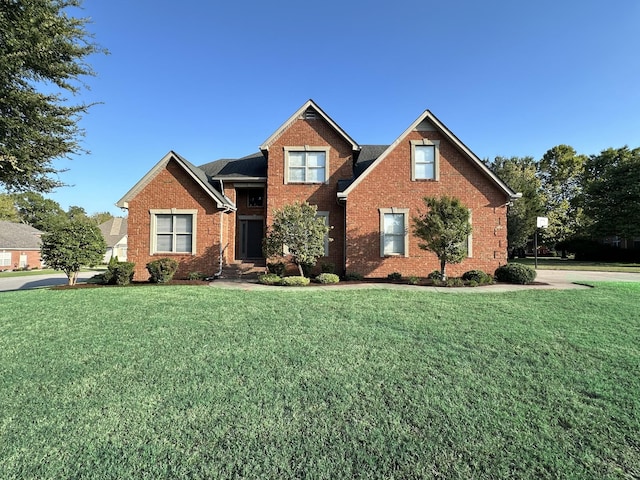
(344, 233)
(226, 210)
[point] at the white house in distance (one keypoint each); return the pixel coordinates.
(114, 232)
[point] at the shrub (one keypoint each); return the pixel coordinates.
(162, 270)
(435, 275)
(477, 276)
(473, 283)
(276, 268)
(295, 281)
(353, 276)
(454, 282)
(395, 276)
(196, 276)
(326, 278)
(515, 273)
(327, 267)
(118, 273)
(270, 279)
(413, 280)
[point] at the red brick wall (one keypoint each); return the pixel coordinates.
(174, 188)
(33, 259)
(312, 133)
(389, 185)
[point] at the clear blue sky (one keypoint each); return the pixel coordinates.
(214, 79)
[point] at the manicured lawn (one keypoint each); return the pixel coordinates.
(194, 382)
(44, 271)
(557, 263)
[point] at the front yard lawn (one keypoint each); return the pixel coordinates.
(199, 382)
(557, 263)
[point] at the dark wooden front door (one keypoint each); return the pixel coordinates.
(251, 232)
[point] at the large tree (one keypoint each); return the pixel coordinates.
(561, 171)
(8, 210)
(72, 245)
(43, 59)
(39, 212)
(520, 173)
(612, 192)
(444, 229)
(297, 230)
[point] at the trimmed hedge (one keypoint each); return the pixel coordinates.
(477, 276)
(270, 279)
(515, 273)
(119, 273)
(162, 270)
(295, 281)
(326, 278)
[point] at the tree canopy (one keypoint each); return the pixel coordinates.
(612, 192)
(444, 230)
(43, 57)
(298, 230)
(520, 173)
(72, 245)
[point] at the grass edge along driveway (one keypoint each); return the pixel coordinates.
(197, 382)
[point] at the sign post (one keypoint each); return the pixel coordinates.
(541, 222)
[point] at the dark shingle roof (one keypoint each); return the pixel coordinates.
(19, 235)
(251, 166)
(366, 156)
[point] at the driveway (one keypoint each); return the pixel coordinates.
(36, 281)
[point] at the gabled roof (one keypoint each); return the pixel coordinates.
(19, 236)
(299, 114)
(251, 167)
(199, 176)
(113, 230)
(429, 117)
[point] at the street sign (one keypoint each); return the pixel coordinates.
(543, 222)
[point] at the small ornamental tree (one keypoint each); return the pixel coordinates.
(71, 245)
(297, 231)
(444, 230)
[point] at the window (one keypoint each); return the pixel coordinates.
(325, 215)
(306, 165)
(394, 240)
(425, 159)
(255, 197)
(5, 259)
(173, 231)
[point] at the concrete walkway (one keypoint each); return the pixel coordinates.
(545, 280)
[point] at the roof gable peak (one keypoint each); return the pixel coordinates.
(309, 111)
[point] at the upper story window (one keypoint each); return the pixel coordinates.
(173, 231)
(255, 197)
(306, 165)
(425, 159)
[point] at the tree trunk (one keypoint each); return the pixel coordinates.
(300, 269)
(73, 277)
(443, 273)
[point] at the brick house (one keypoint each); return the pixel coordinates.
(215, 215)
(19, 246)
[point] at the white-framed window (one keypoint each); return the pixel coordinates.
(394, 237)
(5, 259)
(306, 164)
(173, 231)
(470, 237)
(325, 215)
(425, 159)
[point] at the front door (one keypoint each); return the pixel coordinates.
(251, 232)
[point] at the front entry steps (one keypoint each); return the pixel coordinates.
(245, 270)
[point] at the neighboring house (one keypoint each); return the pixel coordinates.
(217, 214)
(19, 246)
(114, 232)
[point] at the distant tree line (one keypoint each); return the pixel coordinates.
(43, 213)
(585, 197)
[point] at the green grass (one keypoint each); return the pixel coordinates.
(195, 382)
(557, 263)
